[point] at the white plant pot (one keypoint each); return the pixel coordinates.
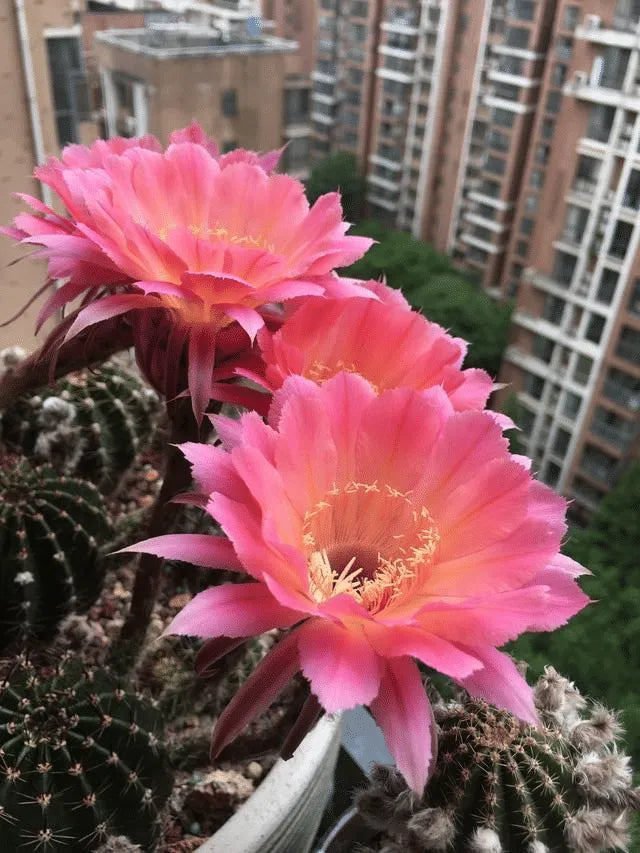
(284, 814)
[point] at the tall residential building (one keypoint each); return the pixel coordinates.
(574, 358)
(506, 132)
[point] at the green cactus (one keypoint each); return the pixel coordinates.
(88, 424)
(50, 529)
(80, 760)
(501, 786)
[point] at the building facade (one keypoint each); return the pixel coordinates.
(574, 357)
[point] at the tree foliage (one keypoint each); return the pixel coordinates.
(600, 648)
(339, 172)
(433, 286)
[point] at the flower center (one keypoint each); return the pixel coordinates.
(369, 541)
(320, 372)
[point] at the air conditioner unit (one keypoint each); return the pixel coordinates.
(580, 78)
(130, 123)
(592, 22)
(609, 195)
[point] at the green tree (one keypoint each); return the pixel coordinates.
(600, 648)
(339, 172)
(433, 286)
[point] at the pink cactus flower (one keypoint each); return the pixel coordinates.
(384, 341)
(205, 240)
(380, 529)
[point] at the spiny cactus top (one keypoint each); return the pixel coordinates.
(90, 424)
(80, 760)
(501, 786)
(50, 530)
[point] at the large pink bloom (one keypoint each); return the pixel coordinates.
(384, 341)
(207, 240)
(385, 528)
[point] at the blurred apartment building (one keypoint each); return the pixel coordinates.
(74, 70)
(507, 133)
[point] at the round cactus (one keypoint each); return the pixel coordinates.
(50, 529)
(89, 424)
(501, 786)
(80, 760)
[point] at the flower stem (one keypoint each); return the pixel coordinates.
(147, 584)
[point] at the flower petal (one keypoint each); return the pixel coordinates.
(210, 552)
(500, 683)
(404, 713)
(232, 610)
(258, 692)
(343, 669)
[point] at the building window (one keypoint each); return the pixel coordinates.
(559, 74)
(496, 165)
(69, 87)
(526, 226)
(632, 191)
(548, 127)
(623, 389)
(571, 17)
(607, 286)
(296, 155)
(562, 441)
(553, 309)
(543, 348)
(620, 239)
(497, 139)
(572, 403)
(552, 474)
(634, 301)
(629, 344)
(517, 37)
(533, 385)
(230, 102)
(537, 178)
(553, 102)
(506, 92)
(359, 9)
(296, 106)
(599, 465)
(521, 10)
(582, 371)
(600, 122)
(614, 67)
(229, 145)
(564, 47)
(563, 267)
(542, 154)
(522, 247)
(503, 118)
(531, 203)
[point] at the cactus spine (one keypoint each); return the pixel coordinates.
(50, 529)
(80, 760)
(501, 786)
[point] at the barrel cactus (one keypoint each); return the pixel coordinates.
(501, 786)
(88, 424)
(80, 760)
(50, 530)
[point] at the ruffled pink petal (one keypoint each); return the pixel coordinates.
(568, 566)
(500, 683)
(232, 610)
(474, 390)
(210, 552)
(404, 713)
(250, 320)
(343, 669)
(258, 692)
(213, 650)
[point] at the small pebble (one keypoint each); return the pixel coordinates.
(195, 828)
(254, 770)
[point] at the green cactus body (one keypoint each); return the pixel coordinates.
(80, 760)
(501, 786)
(89, 424)
(50, 529)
